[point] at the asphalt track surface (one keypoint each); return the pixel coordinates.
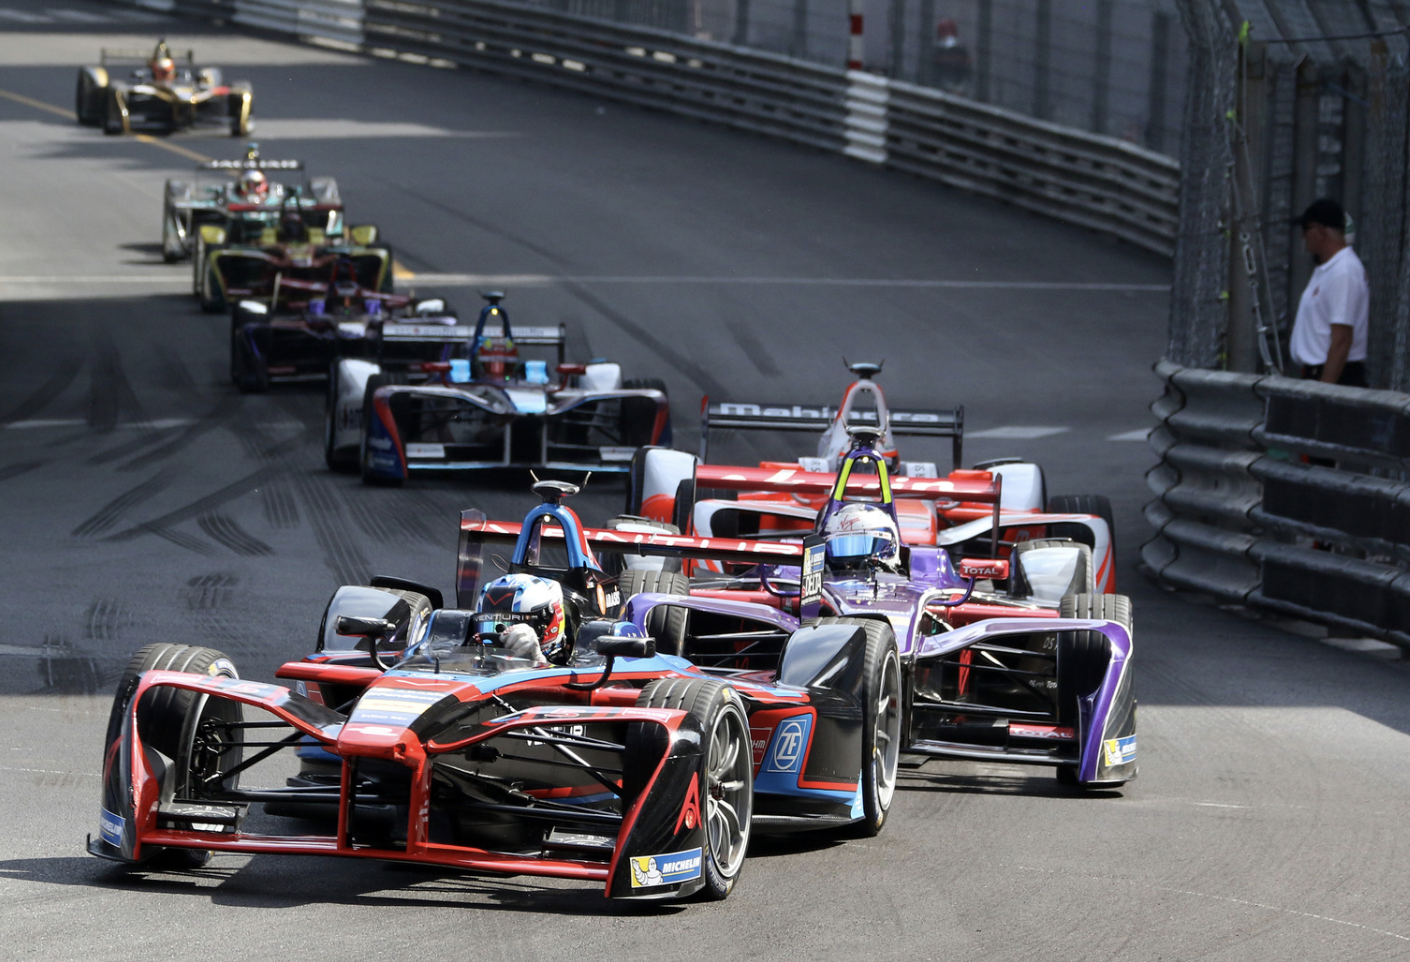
(144, 499)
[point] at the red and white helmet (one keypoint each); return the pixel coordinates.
(253, 185)
(526, 599)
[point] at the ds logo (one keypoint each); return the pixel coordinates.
(790, 741)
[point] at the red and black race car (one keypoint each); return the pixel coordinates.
(425, 736)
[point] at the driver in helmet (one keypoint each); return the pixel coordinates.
(253, 186)
(857, 534)
(529, 616)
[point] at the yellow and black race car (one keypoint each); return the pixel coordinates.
(159, 93)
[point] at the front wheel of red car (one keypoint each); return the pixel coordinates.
(726, 773)
(191, 729)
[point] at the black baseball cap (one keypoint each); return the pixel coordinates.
(1323, 211)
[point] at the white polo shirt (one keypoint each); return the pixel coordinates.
(1336, 294)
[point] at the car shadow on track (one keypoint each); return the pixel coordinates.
(274, 882)
(1037, 783)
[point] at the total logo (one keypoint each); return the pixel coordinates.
(790, 743)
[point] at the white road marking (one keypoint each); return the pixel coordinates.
(23, 17)
(1017, 432)
(159, 424)
(1219, 898)
(80, 16)
(1140, 434)
(336, 128)
(174, 280)
(1366, 646)
(465, 280)
(48, 771)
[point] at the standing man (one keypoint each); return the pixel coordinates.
(1329, 335)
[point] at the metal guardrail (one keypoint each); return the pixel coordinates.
(1244, 512)
(337, 20)
(1097, 182)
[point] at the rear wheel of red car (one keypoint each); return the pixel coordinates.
(184, 726)
(726, 773)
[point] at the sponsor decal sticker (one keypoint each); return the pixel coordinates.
(394, 706)
(672, 869)
(1119, 751)
(425, 450)
(615, 454)
(814, 558)
(789, 744)
(110, 827)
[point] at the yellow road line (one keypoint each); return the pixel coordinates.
(37, 104)
(143, 138)
(189, 154)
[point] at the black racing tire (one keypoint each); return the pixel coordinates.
(683, 513)
(726, 773)
(665, 623)
(1115, 608)
(638, 417)
(250, 376)
(883, 706)
(1082, 578)
(198, 260)
(343, 460)
(212, 297)
(363, 462)
(112, 114)
(84, 95)
(174, 248)
(171, 720)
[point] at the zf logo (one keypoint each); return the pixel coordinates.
(789, 743)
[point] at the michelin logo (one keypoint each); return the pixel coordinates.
(1119, 751)
(651, 870)
(110, 827)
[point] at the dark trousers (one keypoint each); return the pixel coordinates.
(1353, 375)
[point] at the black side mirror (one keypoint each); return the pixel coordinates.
(376, 628)
(626, 647)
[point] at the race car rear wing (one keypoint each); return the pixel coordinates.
(402, 332)
(983, 490)
(539, 336)
(816, 418)
(255, 163)
(140, 58)
(476, 533)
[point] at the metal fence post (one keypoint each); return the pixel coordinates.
(1042, 61)
(1101, 68)
(741, 23)
(925, 56)
(799, 45)
(1251, 116)
(984, 50)
(1160, 79)
(1306, 120)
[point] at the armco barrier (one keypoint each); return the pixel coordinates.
(1243, 512)
(1101, 183)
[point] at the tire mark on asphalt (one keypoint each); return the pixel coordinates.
(222, 528)
(58, 382)
(235, 489)
(280, 508)
(105, 619)
(211, 599)
(112, 512)
(110, 393)
(753, 348)
(679, 362)
(340, 551)
(64, 671)
(15, 470)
